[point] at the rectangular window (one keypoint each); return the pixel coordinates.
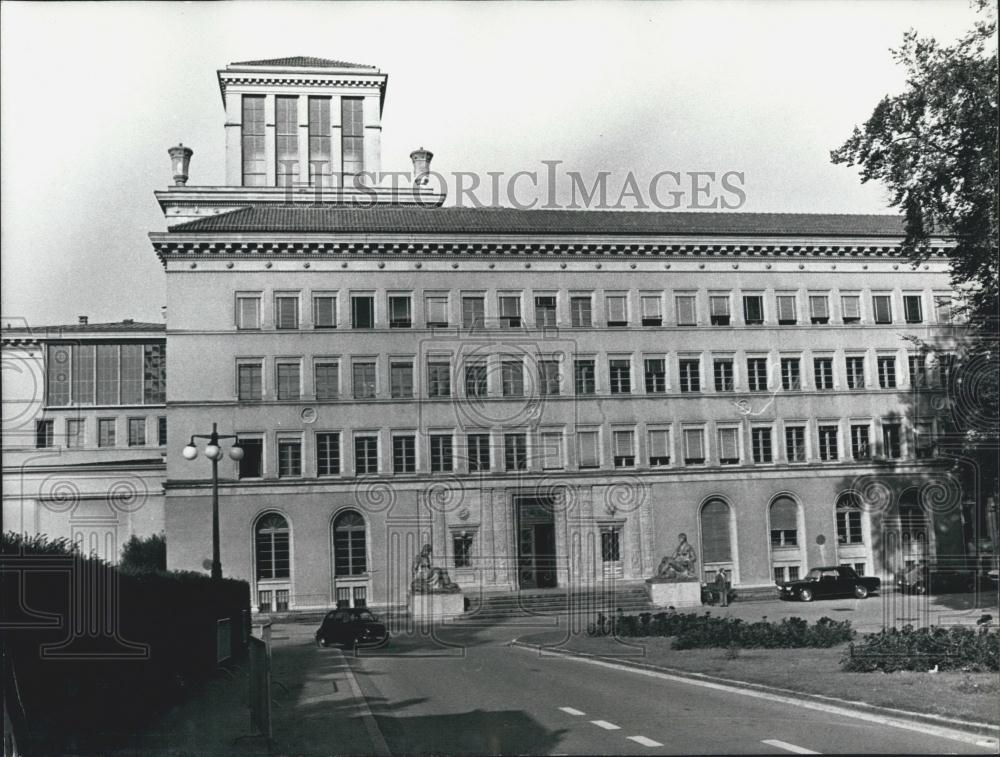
(75, 433)
(320, 158)
(362, 311)
(581, 312)
(548, 377)
(289, 381)
(617, 309)
(289, 458)
(404, 454)
(849, 526)
(823, 373)
(855, 369)
(286, 311)
(251, 465)
(324, 311)
(286, 140)
(475, 379)
(611, 548)
(365, 454)
(828, 443)
(552, 450)
(687, 311)
(510, 311)
(545, 311)
(722, 370)
(84, 365)
(247, 311)
(882, 305)
(786, 309)
(352, 130)
(107, 375)
(399, 312)
(690, 375)
(719, 310)
(912, 309)
(791, 374)
(887, 372)
(461, 548)
(620, 376)
(587, 449)
(943, 308)
(473, 312)
(132, 374)
(401, 380)
(584, 375)
(656, 375)
(760, 443)
(659, 447)
(624, 443)
(442, 457)
(328, 453)
(436, 310)
(44, 434)
(651, 313)
(154, 374)
(757, 374)
(253, 135)
(478, 447)
(136, 432)
(795, 444)
(515, 452)
(917, 365)
(923, 439)
(438, 379)
(819, 309)
(250, 381)
(860, 443)
(729, 446)
(327, 380)
(694, 446)
(106, 432)
(850, 308)
(753, 309)
(364, 380)
(891, 440)
(512, 378)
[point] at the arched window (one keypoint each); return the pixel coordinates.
(716, 543)
(849, 519)
(272, 546)
(349, 548)
(912, 523)
(784, 522)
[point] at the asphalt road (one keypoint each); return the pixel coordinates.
(468, 692)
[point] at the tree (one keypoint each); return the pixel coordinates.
(934, 146)
(144, 554)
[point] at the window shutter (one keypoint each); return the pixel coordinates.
(510, 307)
(623, 443)
(784, 514)
(437, 309)
(693, 447)
(786, 308)
(942, 304)
(715, 535)
(616, 309)
(851, 306)
(587, 441)
(326, 312)
(883, 311)
(650, 307)
(686, 312)
(729, 448)
(552, 450)
(659, 443)
(720, 305)
(818, 307)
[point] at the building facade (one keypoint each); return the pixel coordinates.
(547, 398)
(85, 431)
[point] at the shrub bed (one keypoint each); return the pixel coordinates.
(692, 631)
(923, 649)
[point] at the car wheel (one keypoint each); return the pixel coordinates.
(861, 592)
(806, 595)
(920, 588)
(320, 641)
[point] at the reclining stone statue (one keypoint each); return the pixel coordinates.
(681, 565)
(428, 579)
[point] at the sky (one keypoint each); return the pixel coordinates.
(93, 94)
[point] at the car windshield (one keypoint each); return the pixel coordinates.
(365, 615)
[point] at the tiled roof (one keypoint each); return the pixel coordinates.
(302, 61)
(418, 220)
(78, 328)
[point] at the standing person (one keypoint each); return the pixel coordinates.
(722, 586)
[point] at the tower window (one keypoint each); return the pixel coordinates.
(352, 135)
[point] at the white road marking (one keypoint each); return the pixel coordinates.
(606, 725)
(571, 711)
(830, 709)
(788, 747)
(644, 741)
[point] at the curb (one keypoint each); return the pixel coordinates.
(924, 719)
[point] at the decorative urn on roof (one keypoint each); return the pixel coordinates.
(180, 160)
(421, 166)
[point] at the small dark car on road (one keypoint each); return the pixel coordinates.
(831, 581)
(352, 627)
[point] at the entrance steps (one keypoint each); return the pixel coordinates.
(629, 597)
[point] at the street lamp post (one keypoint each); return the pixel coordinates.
(214, 453)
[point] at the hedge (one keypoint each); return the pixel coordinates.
(922, 649)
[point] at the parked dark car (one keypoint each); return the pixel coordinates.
(830, 581)
(352, 627)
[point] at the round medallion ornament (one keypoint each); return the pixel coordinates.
(464, 513)
(308, 415)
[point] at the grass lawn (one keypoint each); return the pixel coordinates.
(968, 696)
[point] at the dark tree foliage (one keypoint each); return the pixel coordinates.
(147, 554)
